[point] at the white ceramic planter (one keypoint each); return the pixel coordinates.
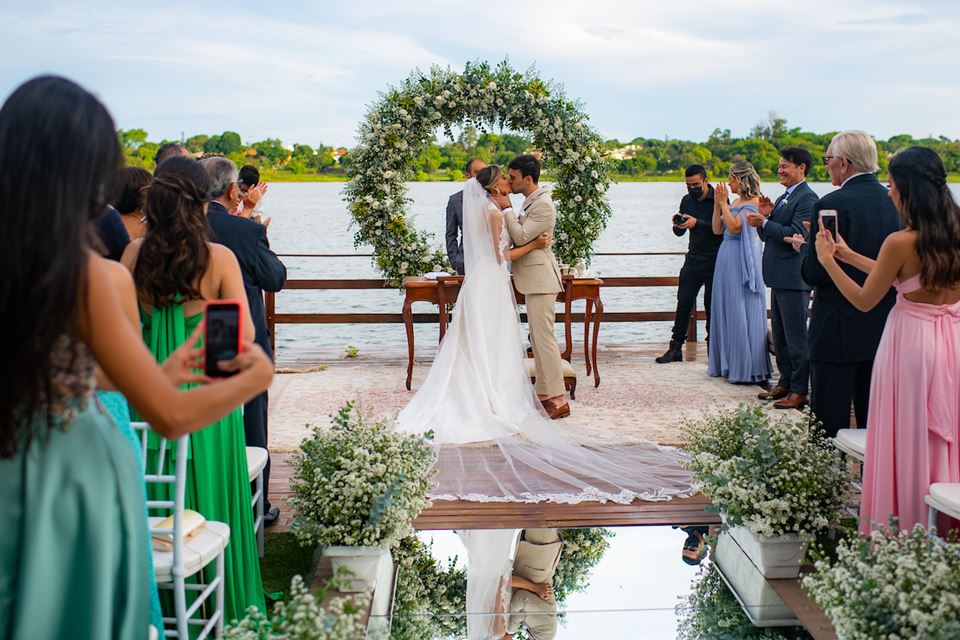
(364, 563)
(757, 598)
(775, 557)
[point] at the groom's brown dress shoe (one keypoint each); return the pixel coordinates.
(556, 412)
(792, 401)
(776, 393)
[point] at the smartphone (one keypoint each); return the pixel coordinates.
(828, 221)
(221, 336)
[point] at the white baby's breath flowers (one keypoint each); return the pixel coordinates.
(775, 477)
(302, 617)
(359, 483)
(397, 127)
(892, 584)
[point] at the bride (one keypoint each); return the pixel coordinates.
(495, 442)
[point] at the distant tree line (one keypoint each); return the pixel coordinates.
(651, 156)
(269, 154)
(638, 158)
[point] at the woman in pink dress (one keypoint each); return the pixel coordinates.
(913, 429)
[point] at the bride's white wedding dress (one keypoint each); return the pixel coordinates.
(494, 441)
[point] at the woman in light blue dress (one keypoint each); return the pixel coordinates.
(738, 324)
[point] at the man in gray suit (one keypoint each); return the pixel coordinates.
(776, 223)
(532, 605)
(454, 233)
(537, 276)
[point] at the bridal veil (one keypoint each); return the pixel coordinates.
(494, 442)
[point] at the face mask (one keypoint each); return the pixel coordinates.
(695, 191)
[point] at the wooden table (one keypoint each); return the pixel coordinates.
(445, 289)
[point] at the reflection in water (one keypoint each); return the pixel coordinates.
(544, 567)
(606, 583)
(695, 546)
(711, 612)
(533, 606)
(430, 595)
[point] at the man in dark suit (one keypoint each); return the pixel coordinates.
(789, 295)
(843, 341)
(262, 270)
(454, 235)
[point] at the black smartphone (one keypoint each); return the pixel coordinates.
(678, 219)
(828, 220)
(221, 336)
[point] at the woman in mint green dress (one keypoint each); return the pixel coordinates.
(176, 270)
(73, 539)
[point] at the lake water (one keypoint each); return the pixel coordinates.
(312, 218)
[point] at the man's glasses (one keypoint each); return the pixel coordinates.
(827, 159)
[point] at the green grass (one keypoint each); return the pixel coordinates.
(284, 558)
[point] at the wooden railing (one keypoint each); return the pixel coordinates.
(274, 318)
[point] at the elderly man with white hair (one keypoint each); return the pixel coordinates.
(842, 340)
(262, 271)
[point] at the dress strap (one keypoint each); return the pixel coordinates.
(909, 285)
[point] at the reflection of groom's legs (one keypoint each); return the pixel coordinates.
(541, 313)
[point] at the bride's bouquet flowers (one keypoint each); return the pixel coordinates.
(775, 477)
(359, 483)
(892, 584)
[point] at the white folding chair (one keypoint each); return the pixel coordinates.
(853, 442)
(945, 498)
(187, 557)
(256, 463)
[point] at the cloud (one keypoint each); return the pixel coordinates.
(305, 71)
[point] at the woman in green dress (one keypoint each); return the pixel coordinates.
(73, 539)
(177, 270)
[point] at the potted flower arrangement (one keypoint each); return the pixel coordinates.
(891, 584)
(357, 486)
(302, 617)
(776, 483)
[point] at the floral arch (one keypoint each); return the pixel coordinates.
(403, 120)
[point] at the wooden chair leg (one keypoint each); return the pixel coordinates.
(572, 385)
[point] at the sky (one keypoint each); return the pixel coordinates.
(307, 71)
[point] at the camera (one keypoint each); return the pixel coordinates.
(678, 219)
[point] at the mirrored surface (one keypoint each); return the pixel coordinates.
(619, 582)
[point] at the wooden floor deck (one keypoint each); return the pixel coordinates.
(510, 515)
(445, 515)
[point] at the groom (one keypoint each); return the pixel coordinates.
(537, 276)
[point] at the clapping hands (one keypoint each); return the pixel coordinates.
(721, 192)
(253, 195)
(765, 206)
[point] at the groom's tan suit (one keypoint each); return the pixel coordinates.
(537, 276)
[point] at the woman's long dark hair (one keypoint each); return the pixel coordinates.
(174, 255)
(928, 207)
(59, 157)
